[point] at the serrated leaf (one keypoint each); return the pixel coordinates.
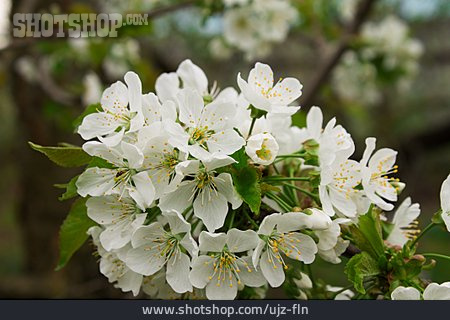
(246, 183)
(67, 157)
(71, 189)
(241, 159)
(73, 232)
(367, 234)
(360, 267)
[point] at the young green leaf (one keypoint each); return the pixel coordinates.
(71, 189)
(64, 156)
(360, 267)
(367, 234)
(73, 231)
(246, 182)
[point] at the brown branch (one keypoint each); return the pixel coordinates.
(22, 43)
(333, 59)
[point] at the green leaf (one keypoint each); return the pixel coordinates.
(93, 108)
(360, 267)
(64, 156)
(367, 234)
(73, 232)
(246, 182)
(71, 189)
(241, 157)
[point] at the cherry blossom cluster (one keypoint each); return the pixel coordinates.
(202, 192)
(386, 54)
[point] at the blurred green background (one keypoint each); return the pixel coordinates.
(43, 89)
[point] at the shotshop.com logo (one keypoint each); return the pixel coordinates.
(73, 25)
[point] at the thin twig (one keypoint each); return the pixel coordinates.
(333, 59)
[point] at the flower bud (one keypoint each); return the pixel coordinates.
(262, 148)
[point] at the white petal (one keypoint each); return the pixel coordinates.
(167, 86)
(134, 91)
(215, 161)
(224, 184)
(402, 293)
(202, 269)
(98, 149)
(436, 291)
(268, 224)
(146, 234)
(179, 199)
(286, 91)
(249, 275)
(406, 213)
(314, 121)
(133, 155)
(177, 273)
(303, 248)
(95, 182)
(212, 242)
(273, 271)
(191, 107)
(130, 281)
(145, 260)
(211, 208)
(115, 98)
(252, 96)
(193, 76)
(144, 193)
(445, 202)
(239, 241)
(225, 289)
(370, 147)
(98, 124)
(226, 141)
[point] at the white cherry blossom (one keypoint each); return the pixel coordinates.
(124, 177)
(207, 191)
(433, 291)
(155, 247)
(121, 112)
(263, 94)
(445, 202)
(262, 148)
(404, 223)
(221, 270)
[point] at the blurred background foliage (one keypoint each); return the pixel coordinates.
(45, 84)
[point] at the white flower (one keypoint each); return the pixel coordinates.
(330, 244)
(208, 192)
(124, 176)
(188, 75)
(92, 89)
(208, 129)
(277, 239)
(222, 270)
(122, 112)
(154, 247)
(120, 217)
(112, 265)
(375, 174)
(433, 291)
(262, 148)
(161, 161)
(334, 141)
(344, 295)
(303, 283)
(337, 186)
(445, 202)
(404, 223)
(260, 91)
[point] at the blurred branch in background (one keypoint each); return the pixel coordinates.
(331, 61)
